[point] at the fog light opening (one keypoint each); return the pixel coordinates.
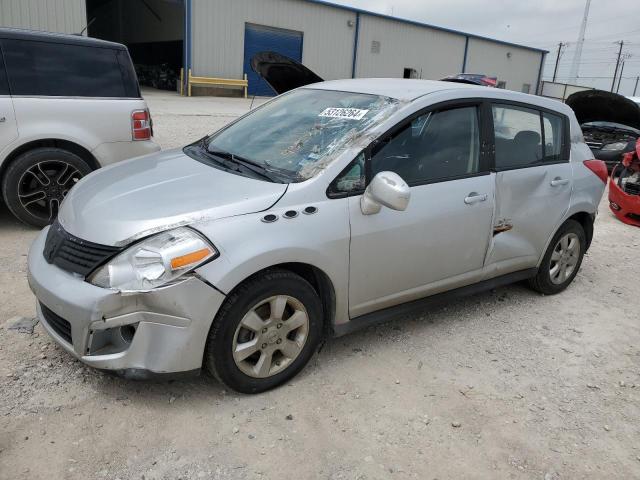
(127, 332)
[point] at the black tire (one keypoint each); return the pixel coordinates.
(18, 181)
(218, 357)
(542, 282)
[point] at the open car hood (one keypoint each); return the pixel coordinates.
(282, 73)
(472, 79)
(601, 106)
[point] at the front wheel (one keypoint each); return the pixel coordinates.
(265, 332)
(37, 181)
(562, 259)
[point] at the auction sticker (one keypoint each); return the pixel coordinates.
(349, 113)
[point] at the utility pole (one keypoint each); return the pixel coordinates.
(620, 79)
(625, 57)
(635, 89)
(555, 70)
(615, 73)
(577, 57)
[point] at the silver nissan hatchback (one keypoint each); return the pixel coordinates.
(333, 206)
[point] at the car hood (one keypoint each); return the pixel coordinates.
(601, 106)
(282, 73)
(610, 126)
(133, 199)
(472, 79)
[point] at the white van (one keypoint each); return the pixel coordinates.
(68, 105)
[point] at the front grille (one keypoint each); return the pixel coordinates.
(57, 323)
(74, 254)
(632, 188)
(594, 145)
(634, 216)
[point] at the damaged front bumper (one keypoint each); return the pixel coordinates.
(623, 205)
(161, 331)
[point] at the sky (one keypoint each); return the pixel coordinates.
(543, 24)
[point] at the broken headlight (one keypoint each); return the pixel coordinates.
(614, 147)
(159, 260)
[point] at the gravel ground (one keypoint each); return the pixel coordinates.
(507, 384)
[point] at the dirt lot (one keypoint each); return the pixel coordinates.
(507, 384)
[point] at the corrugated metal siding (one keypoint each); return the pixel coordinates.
(61, 16)
(432, 52)
(218, 34)
(491, 58)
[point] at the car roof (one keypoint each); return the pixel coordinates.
(49, 37)
(409, 90)
(399, 88)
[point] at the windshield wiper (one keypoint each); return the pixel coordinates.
(248, 164)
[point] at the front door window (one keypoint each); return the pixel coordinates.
(435, 146)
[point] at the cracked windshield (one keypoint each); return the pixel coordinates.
(296, 135)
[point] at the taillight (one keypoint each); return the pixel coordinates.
(599, 168)
(141, 125)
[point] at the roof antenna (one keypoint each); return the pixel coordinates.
(87, 26)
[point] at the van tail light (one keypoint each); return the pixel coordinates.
(599, 168)
(141, 126)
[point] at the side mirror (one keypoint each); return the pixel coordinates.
(387, 189)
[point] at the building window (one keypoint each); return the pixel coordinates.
(526, 88)
(375, 46)
(502, 84)
(410, 73)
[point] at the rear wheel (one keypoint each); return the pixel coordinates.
(265, 333)
(562, 259)
(37, 181)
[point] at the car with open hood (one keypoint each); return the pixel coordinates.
(333, 206)
(624, 188)
(610, 123)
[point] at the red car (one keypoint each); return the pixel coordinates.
(624, 188)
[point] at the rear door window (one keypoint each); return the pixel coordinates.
(518, 136)
(527, 137)
(54, 69)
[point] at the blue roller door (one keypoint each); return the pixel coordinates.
(258, 38)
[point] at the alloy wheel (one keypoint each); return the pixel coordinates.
(270, 336)
(564, 258)
(42, 187)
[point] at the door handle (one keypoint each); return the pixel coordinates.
(474, 197)
(3, 119)
(559, 181)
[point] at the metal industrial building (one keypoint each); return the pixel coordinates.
(217, 37)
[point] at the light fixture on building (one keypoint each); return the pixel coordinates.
(350, 23)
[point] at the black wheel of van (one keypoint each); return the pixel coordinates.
(562, 259)
(37, 181)
(265, 332)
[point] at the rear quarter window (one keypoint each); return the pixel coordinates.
(54, 69)
(4, 84)
(554, 136)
